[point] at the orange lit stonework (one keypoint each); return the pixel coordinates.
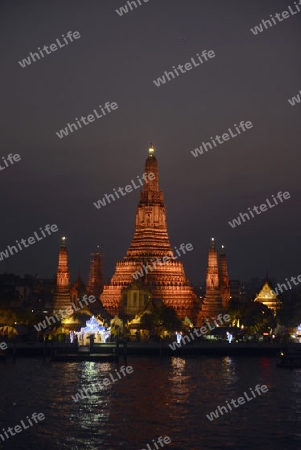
(77, 290)
(167, 281)
(212, 304)
(95, 283)
(62, 293)
(224, 279)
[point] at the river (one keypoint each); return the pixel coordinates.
(168, 397)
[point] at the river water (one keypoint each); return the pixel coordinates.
(167, 397)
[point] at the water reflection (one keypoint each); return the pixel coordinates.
(93, 372)
(92, 413)
(229, 371)
(167, 397)
(178, 365)
(180, 384)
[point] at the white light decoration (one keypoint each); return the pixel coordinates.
(100, 333)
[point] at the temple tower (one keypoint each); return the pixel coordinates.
(224, 279)
(95, 283)
(62, 292)
(77, 290)
(144, 257)
(212, 304)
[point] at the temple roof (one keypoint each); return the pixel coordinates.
(266, 293)
(267, 297)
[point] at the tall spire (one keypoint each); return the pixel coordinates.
(149, 246)
(95, 283)
(151, 225)
(224, 278)
(151, 180)
(212, 278)
(62, 293)
(212, 304)
(78, 289)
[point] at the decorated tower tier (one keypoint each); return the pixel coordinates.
(149, 246)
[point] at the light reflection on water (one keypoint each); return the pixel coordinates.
(168, 397)
(179, 381)
(228, 372)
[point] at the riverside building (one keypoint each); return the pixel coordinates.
(267, 297)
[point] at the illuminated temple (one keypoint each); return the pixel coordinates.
(217, 286)
(165, 281)
(224, 279)
(143, 276)
(62, 293)
(267, 297)
(95, 283)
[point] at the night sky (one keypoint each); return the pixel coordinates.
(116, 59)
